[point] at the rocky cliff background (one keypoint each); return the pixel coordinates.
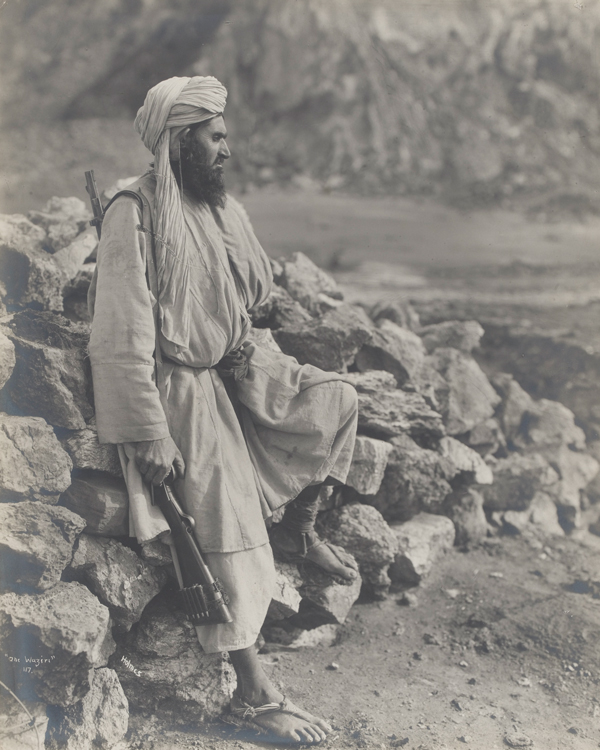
(478, 101)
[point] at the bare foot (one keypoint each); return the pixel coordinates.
(288, 722)
(288, 544)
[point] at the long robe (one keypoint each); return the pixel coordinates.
(249, 452)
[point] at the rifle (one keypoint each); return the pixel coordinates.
(203, 597)
(97, 209)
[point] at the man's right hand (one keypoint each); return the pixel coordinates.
(154, 459)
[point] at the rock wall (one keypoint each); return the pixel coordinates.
(88, 619)
(481, 101)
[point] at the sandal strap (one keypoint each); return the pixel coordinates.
(246, 711)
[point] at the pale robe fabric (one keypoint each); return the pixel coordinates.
(285, 427)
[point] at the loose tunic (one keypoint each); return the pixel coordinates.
(247, 452)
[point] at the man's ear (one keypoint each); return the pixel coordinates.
(177, 137)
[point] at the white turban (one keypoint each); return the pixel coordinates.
(175, 103)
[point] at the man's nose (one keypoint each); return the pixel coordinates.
(224, 151)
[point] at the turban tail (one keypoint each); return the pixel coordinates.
(174, 103)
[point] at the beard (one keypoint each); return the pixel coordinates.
(204, 182)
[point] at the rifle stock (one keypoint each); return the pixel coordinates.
(202, 595)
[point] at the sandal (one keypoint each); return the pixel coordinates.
(299, 557)
(242, 714)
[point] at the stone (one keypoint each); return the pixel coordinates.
(16, 728)
(29, 273)
(548, 423)
(100, 499)
(87, 453)
(36, 544)
(157, 553)
(394, 349)
(314, 289)
(278, 310)
(286, 599)
(33, 464)
(464, 335)
(63, 219)
(163, 669)
(52, 377)
(324, 600)
(324, 635)
(75, 293)
(420, 542)
(486, 438)
(576, 470)
(369, 460)
(72, 259)
(7, 358)
(515, 521)
(517, 478)
(330, 342)
(465, 509)
(401, 313)
(415, 479)
(515, 403)
(263, 337)
(465, 462)
(62, 634)
(99, 720)
(543, 515)
(390, 413)
(371, 381)
(362, 531)
(120, 579)
(471, 399)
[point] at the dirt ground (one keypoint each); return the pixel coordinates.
(500, 645)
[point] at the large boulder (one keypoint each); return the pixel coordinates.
(517, 478)
(420, 542)
(30, 275)
(369, 460)
(36, 544)
(286, 599)
(102, 500)
(394, 349)
(486, 438)
(385, 414)
(576, 470)
(471, 399)
(33, 464)
(97, 721)
(63, 219)
(7, 358)
(52, 377)
(467, 465)
(324, 599)
(87, 453)
(464, 335)
(548, 424)
(515, 403)
(163, 669)
(371, 381)
(330, 342)
(278, 310)
(362, 531)
(464, 507)
(416, 479)
(402, 314)
(314, 289)
(120, 579)
(55, 638)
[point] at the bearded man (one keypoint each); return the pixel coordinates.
(178, 385)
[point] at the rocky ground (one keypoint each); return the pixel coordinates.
(471, 508)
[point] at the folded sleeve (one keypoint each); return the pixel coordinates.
(128, 407)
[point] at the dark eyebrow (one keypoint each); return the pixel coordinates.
(220, 133)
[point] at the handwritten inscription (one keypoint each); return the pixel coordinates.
(31, 661)
(130, 666)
